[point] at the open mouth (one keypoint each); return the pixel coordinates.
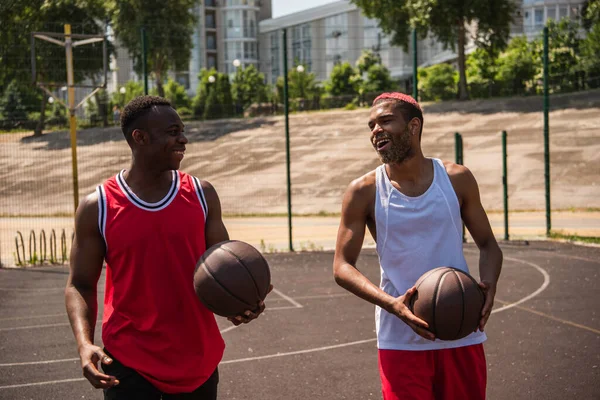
(382, 143)
(179, 153)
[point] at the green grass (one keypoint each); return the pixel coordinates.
(570, 209)
(574, 238)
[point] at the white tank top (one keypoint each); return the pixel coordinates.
(414, 235)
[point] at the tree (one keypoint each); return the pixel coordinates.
(590, 60)
(248, 87)
(367, 59)
(177, 95)
(343, 80)
(169, 26)
(301, 84)
(447, 21)
(133, 89)
(22, 18)
(481, 72)
(11, 105)
(438, 82)
(591, 14)
(564, 58)
(518, 66)
(378, 79)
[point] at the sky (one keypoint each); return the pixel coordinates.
(284, 7)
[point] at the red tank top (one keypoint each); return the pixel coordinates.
(153, 321)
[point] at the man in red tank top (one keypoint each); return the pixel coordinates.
(150, 224)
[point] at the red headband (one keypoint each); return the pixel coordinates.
(398, 96)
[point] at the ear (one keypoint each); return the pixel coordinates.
(414, 126)
(140, 137)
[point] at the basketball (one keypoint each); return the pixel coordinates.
(450, 301)
(231, 277)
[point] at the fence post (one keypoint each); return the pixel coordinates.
(546, 135)
(505, 184)
(458, 153)
(415, 62)
(287, 138)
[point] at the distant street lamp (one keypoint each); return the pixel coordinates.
(300, 68)
(50, 100)
(122, 90)
(211, 79)
(236, 63)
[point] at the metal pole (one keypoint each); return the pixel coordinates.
(546, 135)
(415, 62)
(505, 184)
(72, 119)
(144, 61)
(458, 153)
(287, 138)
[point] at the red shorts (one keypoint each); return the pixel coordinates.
(449, 374)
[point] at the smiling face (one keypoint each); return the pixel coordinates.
(161, 140)
(391, 136)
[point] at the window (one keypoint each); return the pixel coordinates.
(211, 61)
(183, 78)
(210, 3)
(539, 17)
(210, 20)
(336, 41)
(211, 41)
(550, 13)
(274, 56)
(562, 13)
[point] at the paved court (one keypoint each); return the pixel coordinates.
(315, 341)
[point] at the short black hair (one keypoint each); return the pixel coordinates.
(137, 108)
(408, 107)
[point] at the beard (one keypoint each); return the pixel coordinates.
(399, 151)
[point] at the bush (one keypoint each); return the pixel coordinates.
(438, 82)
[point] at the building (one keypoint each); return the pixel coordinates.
(237, 33)
(227, 30)
(320, 37)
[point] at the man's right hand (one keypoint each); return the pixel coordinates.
(90, 356)
(400, 308)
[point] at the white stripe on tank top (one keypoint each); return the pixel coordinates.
(415, 235)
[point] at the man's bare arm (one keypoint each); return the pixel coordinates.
(476, 221)
(87, 256)
(356, 207)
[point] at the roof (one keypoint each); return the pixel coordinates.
(301, 17)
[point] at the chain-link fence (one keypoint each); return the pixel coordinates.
(234, 116)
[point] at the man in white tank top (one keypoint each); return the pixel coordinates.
(414, 207)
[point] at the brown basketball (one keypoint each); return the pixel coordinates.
(231, 277)
(450, 301)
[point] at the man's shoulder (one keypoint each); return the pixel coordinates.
(364, 183)
(455, 170)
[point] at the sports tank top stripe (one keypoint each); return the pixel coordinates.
(415, 235)
(153, 321)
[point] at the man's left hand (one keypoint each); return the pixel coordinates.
(249, 315)
(489, 292)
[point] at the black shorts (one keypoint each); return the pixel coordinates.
(133, 386)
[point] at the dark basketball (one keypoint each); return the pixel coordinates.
(450, 301)
(231, 277)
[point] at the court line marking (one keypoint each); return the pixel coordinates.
(564, 321)
(41, 383)
(230, 328)
(317, 296)
(531, 295)
(35, 290)
(291, 353)
(288, 298)
(33, 317)
(567, 256)
(18, 328)
(510, 305)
